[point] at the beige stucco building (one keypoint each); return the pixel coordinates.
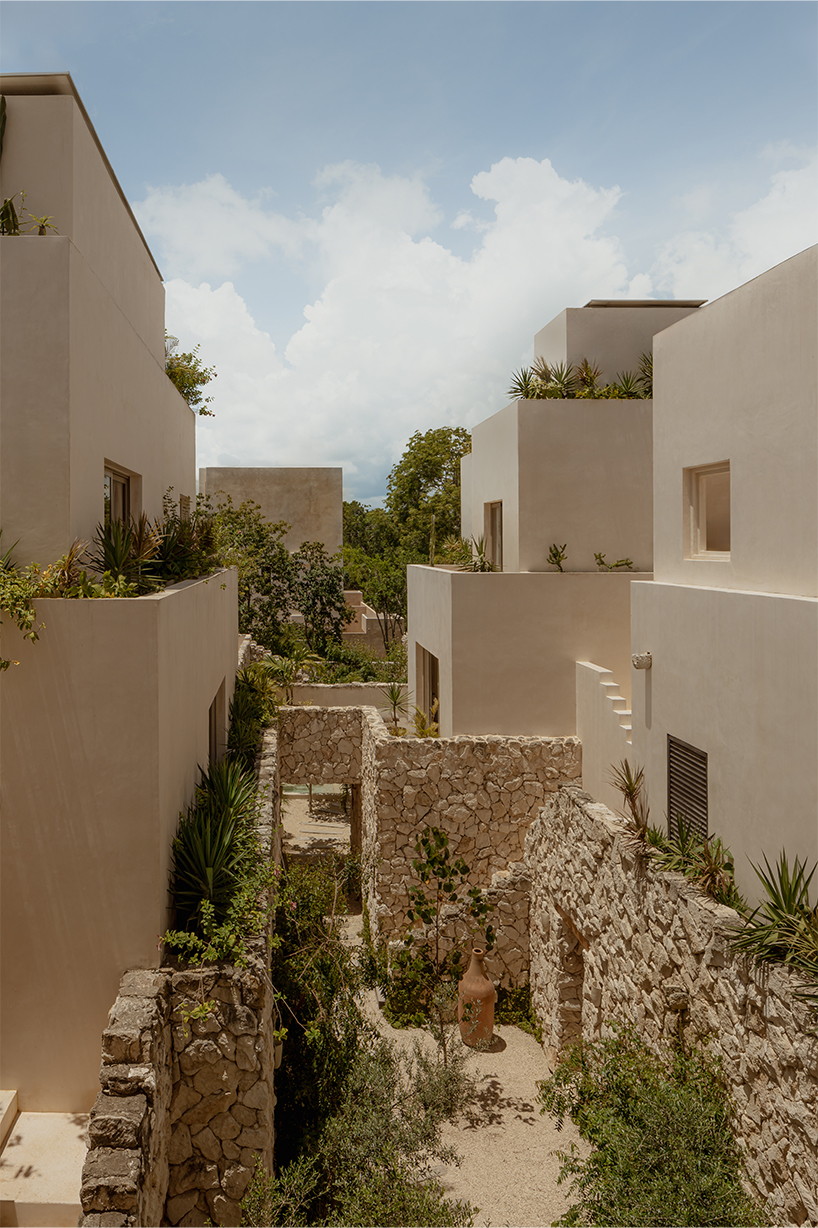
(309, 499)
(498, 650)
(726, 718)
(105, 719)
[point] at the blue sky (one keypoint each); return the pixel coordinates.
(364, 211)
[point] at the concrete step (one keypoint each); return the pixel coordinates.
(41, 1170)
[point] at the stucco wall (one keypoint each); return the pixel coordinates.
(50, 149)
(736, 675)
(310, 500)
(737, 382)
(604, 736)
(102, 726)
(575, 472)
(508, 643)
(612, 337)
(79, 388)
(612, 938)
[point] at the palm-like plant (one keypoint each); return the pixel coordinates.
(784, 927)
(645, 375)
(396, 705)
(588, 374)
(630, 781)
(563, 380)
(287, 671)
(523, 384)
(628, 385)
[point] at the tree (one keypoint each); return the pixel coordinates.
(382, 580)
(247, 540)
(189, 374)
(318, 589)
(426, 482)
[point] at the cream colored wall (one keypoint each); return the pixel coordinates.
(612, 337)
(309, 499)
(736, 675)
(573, 472)
(490, 474)
(737, 382)
(50, 151)
(508, 644)
(599, 728)
(78, 387)
(585, 480)
(102, 725)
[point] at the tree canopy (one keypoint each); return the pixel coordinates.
(189, 374)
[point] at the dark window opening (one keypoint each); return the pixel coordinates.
(686, 788)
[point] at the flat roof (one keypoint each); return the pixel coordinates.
(646, 302)
(39, 83)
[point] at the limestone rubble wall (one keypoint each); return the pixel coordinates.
(614, 938)
(187, 1103)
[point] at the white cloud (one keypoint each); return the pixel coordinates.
(702, 264)
(405, 335)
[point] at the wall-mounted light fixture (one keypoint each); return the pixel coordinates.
(641, 660)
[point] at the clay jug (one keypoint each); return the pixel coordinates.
(475, 1004)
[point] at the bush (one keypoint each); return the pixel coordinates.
(784, 927)
(659, 1123)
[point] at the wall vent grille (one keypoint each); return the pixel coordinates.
(686, 787)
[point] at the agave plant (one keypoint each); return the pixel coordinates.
(784, 927)
(563, 380)
(630, 781)
(645, 376)
(541, 370)
(396, 706)
(588, 375)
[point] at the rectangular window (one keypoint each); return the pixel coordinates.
(117, 494)
(217, 727)
(427, 672)
(493, 532)
(686, 787)
(707, 495)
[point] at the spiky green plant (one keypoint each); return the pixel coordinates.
(588, 375)
(628, 384)
(523, 384)
(784, 926)
(645, 374)
(630, 781)
(395, 695)
(557, 555)
(563, 380)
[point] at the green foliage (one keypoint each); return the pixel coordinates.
(660, 1127)
(424, 725)
(619, 565)
(285, 672)
(214, 846)
(9, 221)
(189, 374)
(630, 781)
(316, 982)
(245, 539)
(318, 590)
(382, 580)
(557, 555)
(252, 707)
(396, 701)
(514, 1007)
(466, 554)
(148, 555)
(565, 382)
(423, 979)
(426, 482)
(784, 927)
(359, 663)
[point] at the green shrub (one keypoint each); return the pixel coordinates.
(660, 1128)
(784, 927)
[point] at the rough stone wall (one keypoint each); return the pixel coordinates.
(320, 745)
(125, 1174)
(221, 1112)
(614, 938)
(186, 1106)
(483, 792)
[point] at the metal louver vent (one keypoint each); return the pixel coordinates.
(686, 787)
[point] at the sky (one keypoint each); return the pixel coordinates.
(364, 209)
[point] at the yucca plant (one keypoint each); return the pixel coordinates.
(563, 380)
(541, 370)
(630, 781)
(214, 844)
(645, 374)
(784, 927)
(704, 860)
(588, 374)
(628, 385)
(395, 696)
(111, 551)
(523, 384)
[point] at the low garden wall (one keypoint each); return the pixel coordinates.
(614, 938)
(187, 1103)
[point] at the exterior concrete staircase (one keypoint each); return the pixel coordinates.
(619, 705)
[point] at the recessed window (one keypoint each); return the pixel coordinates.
(686, 788)
(427, 668)
(707, 495)
(493, 532)
(217, 726)
(117, 496)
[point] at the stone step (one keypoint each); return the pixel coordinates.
(41, 1170)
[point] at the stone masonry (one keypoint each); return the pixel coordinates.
(614, 938)
(187, 1103)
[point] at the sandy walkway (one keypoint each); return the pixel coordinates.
(508, 1170)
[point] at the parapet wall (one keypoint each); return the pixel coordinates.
(614, 938)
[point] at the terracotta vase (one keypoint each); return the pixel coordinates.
(475, 1004)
